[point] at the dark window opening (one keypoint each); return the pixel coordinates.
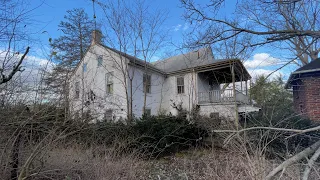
(77, 90)
(146, 83)
(99, 61)
(180, 85)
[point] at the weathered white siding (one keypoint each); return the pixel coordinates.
(224, 110)
(153, 99)
(94, 80)
(94, 96)
(170, 92)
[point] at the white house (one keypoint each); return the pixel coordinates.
(108, 83)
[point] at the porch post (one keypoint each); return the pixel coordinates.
(234, 96)
(250, 83)
(246, 87)
(241, 84)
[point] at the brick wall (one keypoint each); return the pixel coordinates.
(306, 96)
(299, 98)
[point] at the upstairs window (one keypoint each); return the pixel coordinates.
(146, 83)
(77, 90)
(84, 67)
(99, 59)
(180, 85)
(109, 83)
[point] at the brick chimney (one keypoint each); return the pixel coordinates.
(96, 37)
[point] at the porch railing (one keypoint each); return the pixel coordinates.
(218, 96)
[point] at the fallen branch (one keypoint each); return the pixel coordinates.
(294, 159)
(310, 164)
(270, 128)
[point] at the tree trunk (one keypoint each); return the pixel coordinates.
(15, 157)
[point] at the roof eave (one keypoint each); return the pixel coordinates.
(306, 71)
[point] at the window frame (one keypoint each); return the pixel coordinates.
(77, 90)
(147, 111)
(99, 61)
(84, 67)
(108, 115)
(109, 82)
(146, 79)
(180, 87)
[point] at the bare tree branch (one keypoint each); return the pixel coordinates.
(16, 68)
(310, 164)
(293, 159)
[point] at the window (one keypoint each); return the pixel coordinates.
(77, 90)
(84, 67)
(214, 115)
(99, 61)
(108, 115)
(109, 83)
(180, 85)
(147, 112)
(146, 83)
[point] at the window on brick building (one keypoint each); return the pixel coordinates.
(301, 108)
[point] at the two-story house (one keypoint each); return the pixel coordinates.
(109, 84)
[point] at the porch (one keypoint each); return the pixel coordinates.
(225, 82)
(220, 96)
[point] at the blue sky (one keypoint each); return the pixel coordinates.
(51, 12)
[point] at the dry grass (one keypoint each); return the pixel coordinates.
(77, 163)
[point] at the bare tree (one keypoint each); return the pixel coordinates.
(133, 29)
(268, 22)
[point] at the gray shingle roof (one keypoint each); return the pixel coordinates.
(312, 66)
(192, 59)
(134, 60)
(199, 59)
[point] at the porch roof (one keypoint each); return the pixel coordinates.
(223, 69)
(200, 61)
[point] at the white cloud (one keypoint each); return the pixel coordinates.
(25, 85)
(261, 60)
(181, 27)
(33, 69)
(177, 27)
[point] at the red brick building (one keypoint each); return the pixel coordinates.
(305, 83)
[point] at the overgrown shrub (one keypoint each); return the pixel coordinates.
(160, 135)
(280, 144)
(277, 111)
(152, 136)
